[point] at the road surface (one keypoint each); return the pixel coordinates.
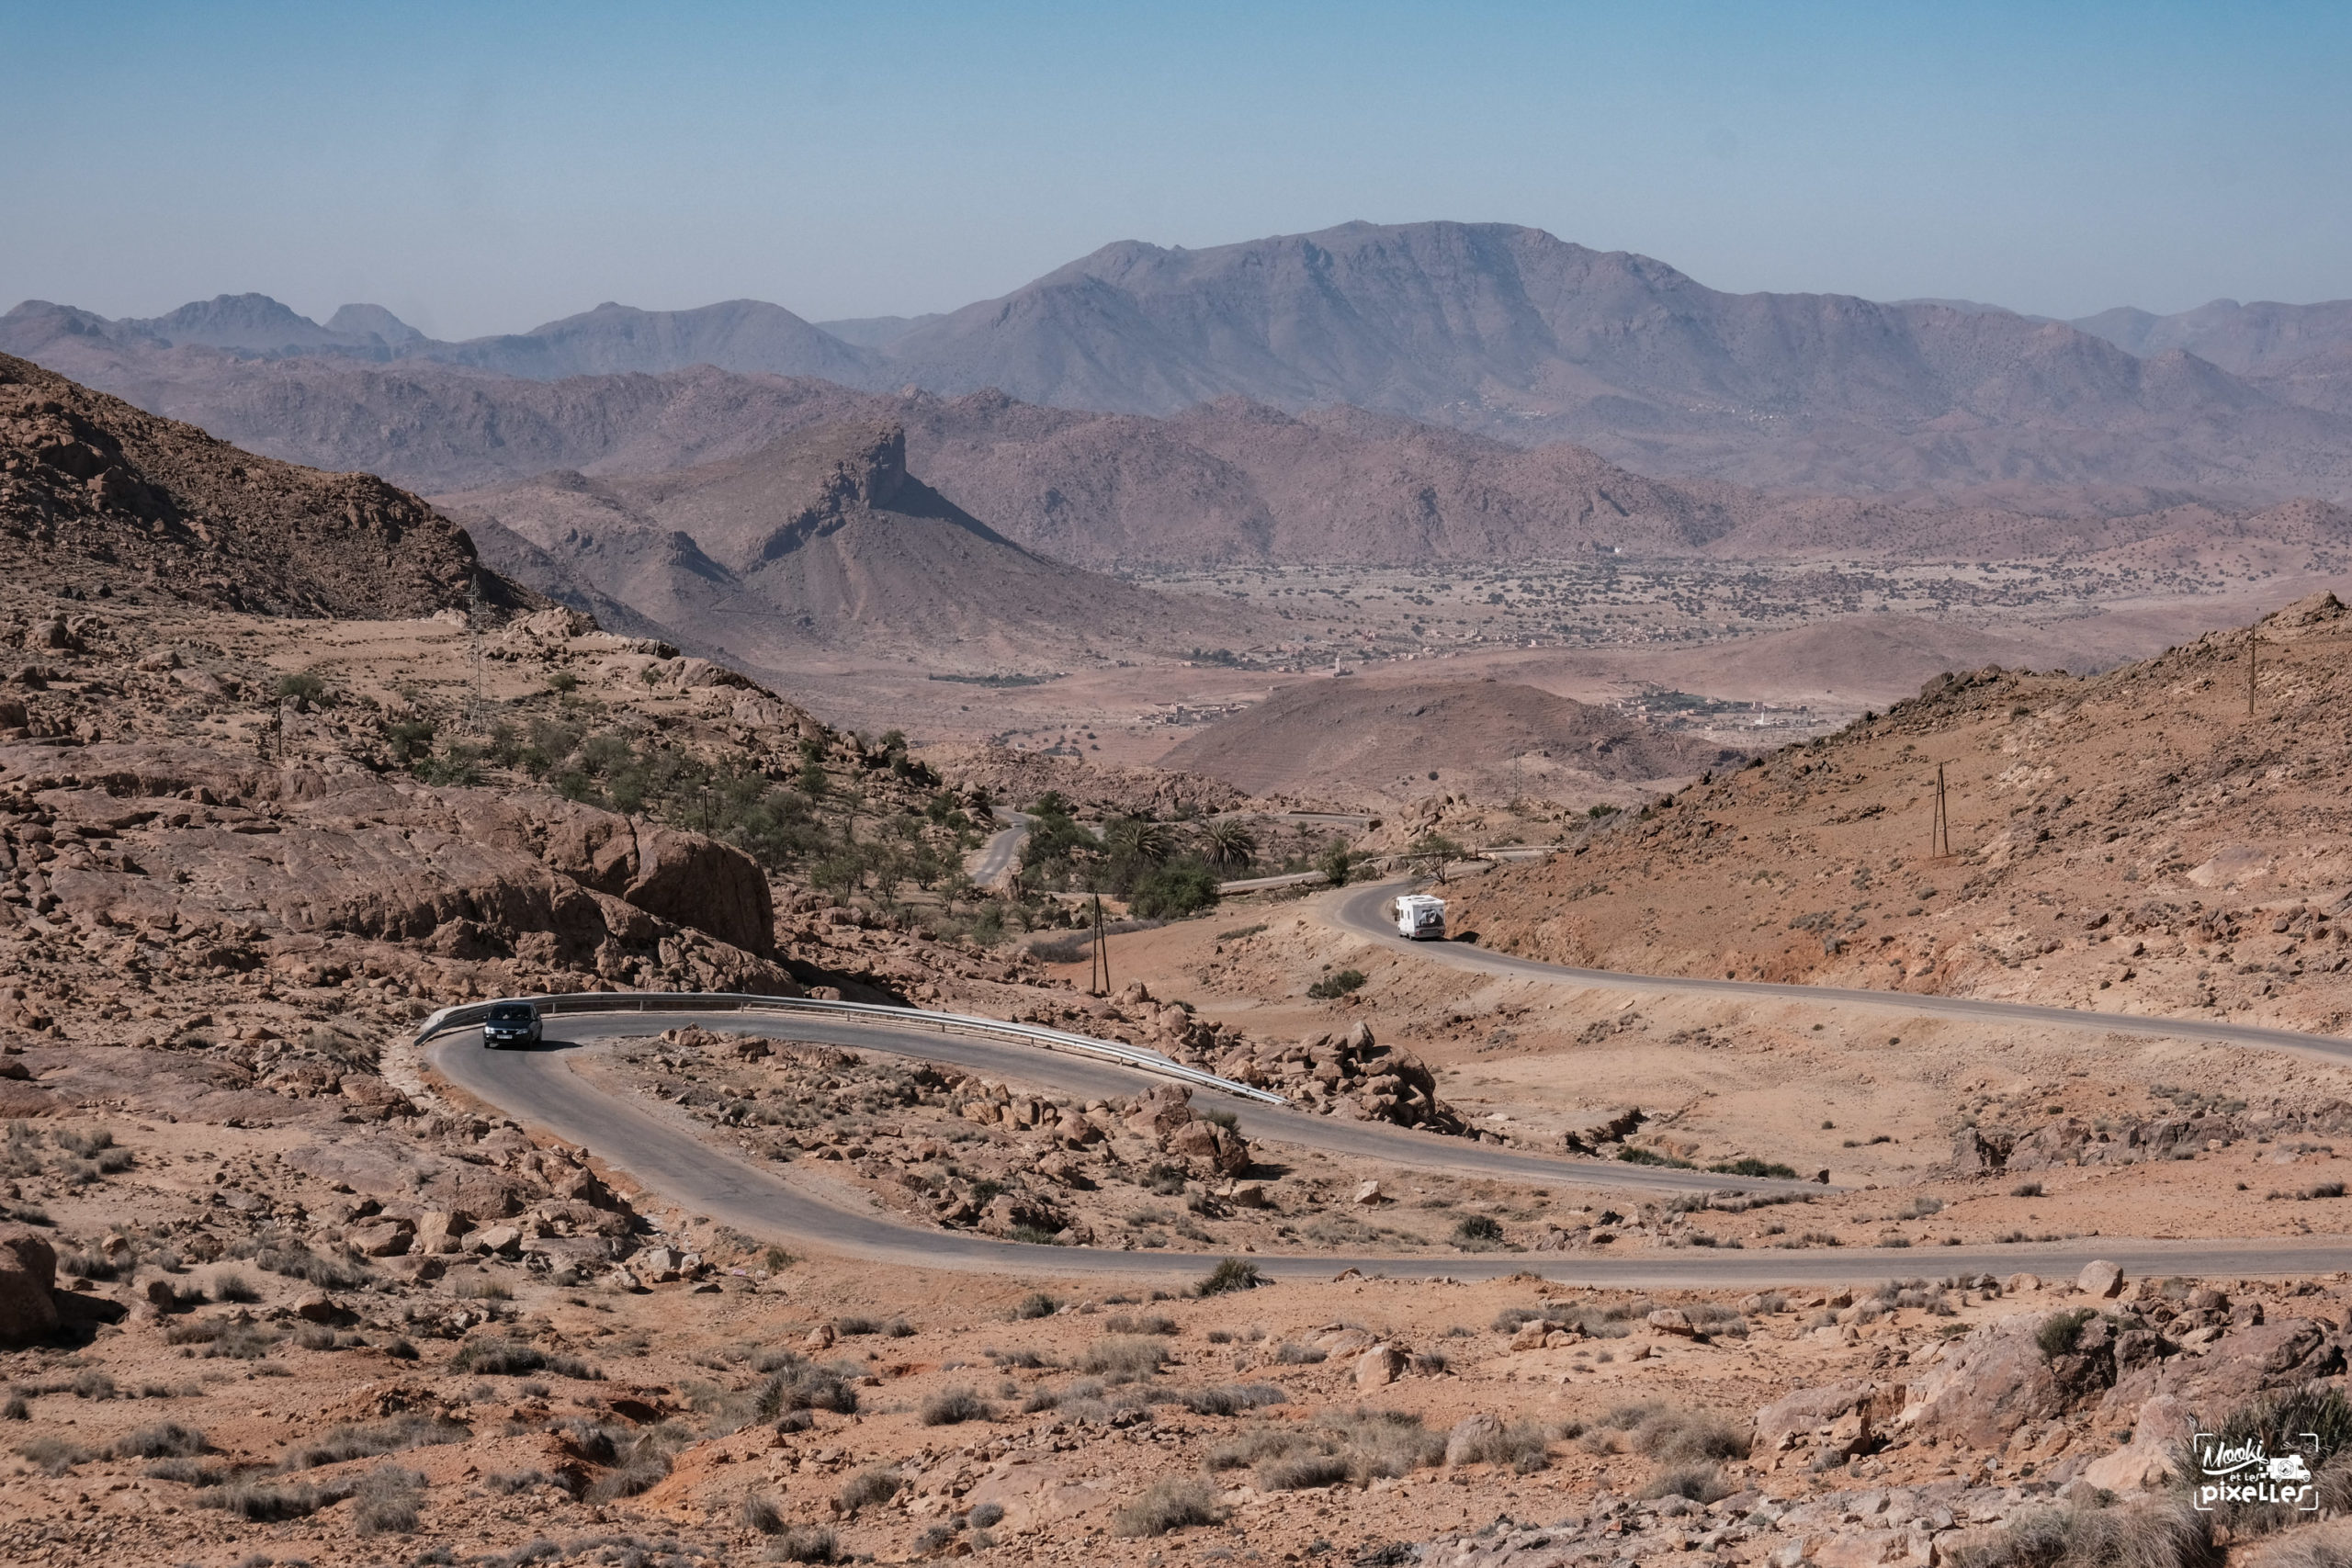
(993, 862)
(1363, 913)
(539, 1088)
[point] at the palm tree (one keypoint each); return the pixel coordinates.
(1140, 840)
(1228, 842)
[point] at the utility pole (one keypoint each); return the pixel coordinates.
(1098, 973)
(1940, 827)
(2252, 645)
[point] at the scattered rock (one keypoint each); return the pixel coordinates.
(2101, 1278)
(1471, 1436)
(1380, 1366)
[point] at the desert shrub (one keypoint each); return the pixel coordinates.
(266, 1501)
(1332, 986)
(505, 1358)
(591, 1441)
(1041, 1398)
(506, 1483)
(1124, 1356)
(1230, 1399)
(1297, 1472)
(52, 1455)
(875, 1484)
(327, 1271)
(1174, 1503)
(760, 1515)
(15, 1408)
(393, 1436)
(851, 1327)
(1699, 1483)
(1231, 1274)
(91, 1384)
(1478, 1231)
(1385, 1444)
(1751, 1165)
(2060, 1330)
(1254, 1445)
(2163, 1532)
(1036, 1304)
(231, 1286)
(953, 1406)
(187, 1471)
(1523, 1446)
(166, 1439)
(2026, 1189)
(986, 1514)
(2315, 1421)
(804, 1386)
(1119, 1322)
(1676, 1437)
(933, 1538)
(1289, 1355)
(387, 1502)
(645, 1466)
(806, 1543)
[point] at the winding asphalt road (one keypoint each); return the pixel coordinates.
(992, 863)
(674, 1158)
(1363, 913)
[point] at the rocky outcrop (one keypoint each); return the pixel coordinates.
(1351, 1076)
(141, 837)
(1167, 1116)
(685, 878)
(27, 1277)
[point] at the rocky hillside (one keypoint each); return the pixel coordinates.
(2135, 840)
(1350, 736)
(153, 505)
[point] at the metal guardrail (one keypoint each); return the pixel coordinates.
(469, 1015)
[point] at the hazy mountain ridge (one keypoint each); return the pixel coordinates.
(1228, 481)
(1494, 329)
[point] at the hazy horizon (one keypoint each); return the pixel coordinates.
(478, 174)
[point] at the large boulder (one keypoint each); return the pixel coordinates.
(689, 880)
(1221, 1149)
(28, 1278)
(1986, 1386)
(1798, 1418)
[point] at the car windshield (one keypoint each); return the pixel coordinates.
(518, 1013)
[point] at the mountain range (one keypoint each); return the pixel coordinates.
(819, 542)
(1492, 329)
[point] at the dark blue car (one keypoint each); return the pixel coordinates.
(510, 1024)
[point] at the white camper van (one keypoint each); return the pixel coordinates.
(1420, 917)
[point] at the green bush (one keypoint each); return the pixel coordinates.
(1333, 987)
(1232, 1274)
(2060, 1330)
(1171, 892)
(1752, 1167)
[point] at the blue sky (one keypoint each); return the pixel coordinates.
(482, 168)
